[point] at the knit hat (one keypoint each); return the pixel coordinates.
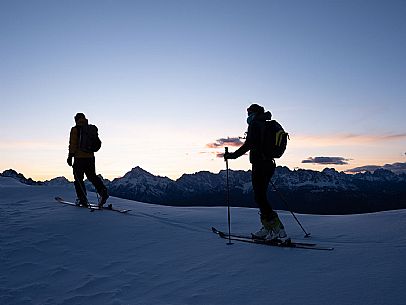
(79, 116)
(255, 108)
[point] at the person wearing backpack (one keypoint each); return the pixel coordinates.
(83, 143)
(263, 167)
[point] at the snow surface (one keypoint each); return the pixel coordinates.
(56, 254)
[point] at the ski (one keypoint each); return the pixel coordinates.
(111, 208)
(251, 236)
(92, 206)
(276, 243)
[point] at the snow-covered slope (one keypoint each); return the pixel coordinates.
(56, 254)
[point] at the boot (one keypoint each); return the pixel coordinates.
(104, 195)
(81, 202)
(276, 230)
(261, 233)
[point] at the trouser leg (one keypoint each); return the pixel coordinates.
(90, 172)
(78, 173)
(261, 176)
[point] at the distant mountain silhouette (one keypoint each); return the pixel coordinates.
(305, 191)
(20, 177)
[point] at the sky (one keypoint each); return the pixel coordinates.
(164, 80)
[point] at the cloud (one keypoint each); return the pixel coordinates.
(397, 168)
(326, 160)
(214, 154)
(375, 137)
(31, 145)
(223, 142)
(220, 155)
(345, 139)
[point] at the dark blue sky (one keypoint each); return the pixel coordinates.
(164, 78)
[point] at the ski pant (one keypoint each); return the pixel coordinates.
(83, 166)
(262, 173)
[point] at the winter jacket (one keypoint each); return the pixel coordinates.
(253, 140)
(74, 141)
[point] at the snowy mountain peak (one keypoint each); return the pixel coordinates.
(58, 181)
(330, 172)
(137, 172)
(141, 183)
(385, 174)
(11, 173)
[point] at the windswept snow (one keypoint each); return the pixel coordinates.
(10, 182)
(56, 254)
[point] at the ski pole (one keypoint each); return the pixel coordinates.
(290, 210)
(97, 193)
(228, 202)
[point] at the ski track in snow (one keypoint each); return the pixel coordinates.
(56, 254)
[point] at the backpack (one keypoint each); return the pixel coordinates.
(274, 140)
(89, 140)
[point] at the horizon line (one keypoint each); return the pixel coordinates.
(357, 170)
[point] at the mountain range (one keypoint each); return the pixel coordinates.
(304, 191)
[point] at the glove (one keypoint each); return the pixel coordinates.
(228, 155)
(69, 160)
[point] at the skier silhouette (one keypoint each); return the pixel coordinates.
(262, 171)
(84, 163)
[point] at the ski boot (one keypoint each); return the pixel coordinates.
(81, 202)
(104, 195)
(276, 230)
(261, 233)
